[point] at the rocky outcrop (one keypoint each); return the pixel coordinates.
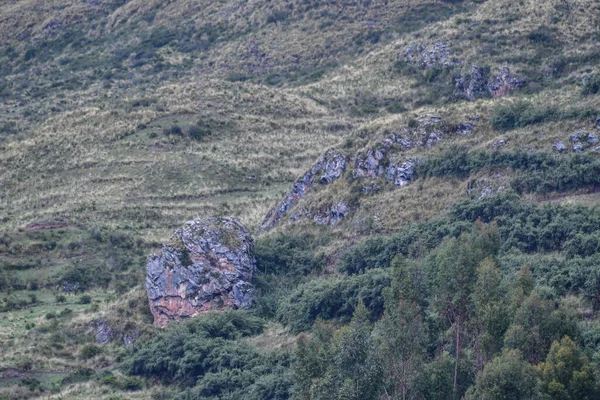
(479, 82)
(504, 82)
(371, 164)
(105, 332)
(559, 147)
(326, 170)
(333, 214)
(401, 175)
(376, 162)
(434, 55)
(207, 265)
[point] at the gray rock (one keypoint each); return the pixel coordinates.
(371, 188)
(479, 83)
(207, 265)
(333, 214)
(504, 82)
(474, 84)
(497, 144)
(370, 164)
(434, 55)
(559, 146)
(329, 168)
(104, 332)
(465, 128)
(401, 175)
(488, 186)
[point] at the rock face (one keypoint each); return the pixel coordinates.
(207, 265)
(434, 55)
(326, 170)
(370, 165)
(480, 82)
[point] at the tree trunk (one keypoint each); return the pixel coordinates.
(458, 346)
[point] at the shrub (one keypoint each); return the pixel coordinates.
(85, 299)
(199, 131)
(519, 114)
(329, 299)
(173, 130)
(89, 351)
(203, 353)
(591, 86)
(292, 254)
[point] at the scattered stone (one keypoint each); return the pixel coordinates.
(488, 186)
(582, 140)
(333, 214)
(207, 265)
(497, 144)
(559, 146)
(435, 55)
(371, 188)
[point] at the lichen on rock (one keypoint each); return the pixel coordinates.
(207, 265)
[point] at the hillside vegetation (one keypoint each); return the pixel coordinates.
(454, 254)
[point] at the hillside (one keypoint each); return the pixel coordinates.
(373, 149)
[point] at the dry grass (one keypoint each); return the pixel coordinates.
(278, 84)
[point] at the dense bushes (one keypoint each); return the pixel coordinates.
(290, 254)
(329, 299)
(591, 86)
(203, 355)
(535, 172)
(519, 114)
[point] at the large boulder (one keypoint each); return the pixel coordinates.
(207, 265)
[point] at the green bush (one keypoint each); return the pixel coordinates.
(85, 299)
(292, 254)
(89, 351)
(518, 114)
(203, 355)
(591, 86)
(333, 299)
(173, 130)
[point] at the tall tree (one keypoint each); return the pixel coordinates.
(401, 334)
(508, 376)
(491, 312)
(566, 373)
(355, 359)
(456, 263)
(313, 359)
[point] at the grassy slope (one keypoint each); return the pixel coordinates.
(86, 90)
